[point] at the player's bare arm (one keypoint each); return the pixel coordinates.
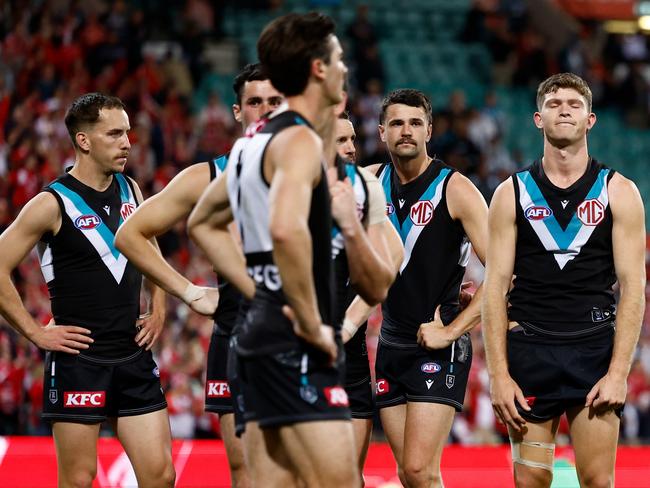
(156, 216)
(500, 259)
(151, 323)
(295, 156)
(208, 226)
(40, 216)
(467, 205)
(628, 242)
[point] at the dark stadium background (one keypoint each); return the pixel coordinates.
(173, 63)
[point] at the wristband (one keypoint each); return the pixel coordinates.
(192, 293)
(349, 327)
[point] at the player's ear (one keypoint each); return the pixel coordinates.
(591, 121)
(382, 133)
(537, 119)
(82, 140)
(236, 112)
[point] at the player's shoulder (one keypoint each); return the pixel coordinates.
(622, 190)
(42, 211)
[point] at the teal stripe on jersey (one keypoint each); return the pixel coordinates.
(103, 231)
(220, 164)
(563, 238)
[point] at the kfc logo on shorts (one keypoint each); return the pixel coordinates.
(336, 396)
(390, 208)
(591, 212)
(126, 209)
(89, 399)
(218, 389)
(87, 222)
(382, 387)
(537, 212)
(421, 212)
(430, 368)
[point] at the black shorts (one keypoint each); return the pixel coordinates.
(89, 390)
(555, 376)
(217, 388)
(234, 380)
(414, 374)
(362, 405)
(291, 387)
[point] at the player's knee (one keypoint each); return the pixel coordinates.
(417, 475)
(596, 480)
(239, 475)
(528, 477)
(77, 478)
(168, 475)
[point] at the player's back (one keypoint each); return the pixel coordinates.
(266, 329)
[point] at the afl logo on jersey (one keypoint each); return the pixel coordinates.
(430, 368)
(421, 212)
(87, 222)
(126, 209)
(390, 208)
(537, 212)
(591, 212)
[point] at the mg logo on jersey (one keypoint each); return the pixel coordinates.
(267, 275)
(536, 212)
(126, 209)
(218, 389)
(591, 212)
(422, 212)
(390, 208)
(87, 222)
(382, 387)
(336, 396)
(84, 399)
(430, 368)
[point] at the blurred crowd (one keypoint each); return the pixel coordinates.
(52, 51)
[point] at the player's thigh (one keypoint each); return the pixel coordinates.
(234, 445)
(426, 431)
(393, 421)
(321, 448)
(266, 469)
(76, 447)
(533, 451)
(362, 429)
(594, 438)
(147, 441)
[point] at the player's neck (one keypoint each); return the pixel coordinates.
(409, 169)
(564, 166)
(313, 108)
(88, 172)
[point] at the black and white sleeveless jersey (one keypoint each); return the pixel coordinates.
(91, 283)
(564, 266)
(436, 251)
(225, 315)
(344, 292)
(266, 329)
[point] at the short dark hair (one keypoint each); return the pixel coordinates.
(250, 72)
(288, 45)
(563, 80)
(406, 96)
(345, 115)
(84, 111)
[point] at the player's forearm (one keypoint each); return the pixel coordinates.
(147, 258)
(370, 274)
(293, 257)
(13, 310)
(468, 318)
(629, 317)
(225, 256)
(495, 326)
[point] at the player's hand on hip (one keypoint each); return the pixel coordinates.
(434, 334)
(65, 338)
(608, 394)
(344, 204)
(505, 393)
(149, 327)
(321, 337)
(202, 299)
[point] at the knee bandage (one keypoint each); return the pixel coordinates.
(533, 454)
